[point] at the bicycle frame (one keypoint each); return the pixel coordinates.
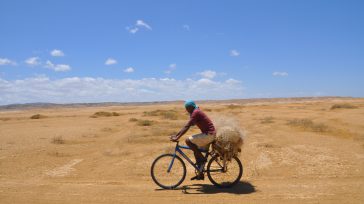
(179, 150)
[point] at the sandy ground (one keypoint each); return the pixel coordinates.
(70, 157)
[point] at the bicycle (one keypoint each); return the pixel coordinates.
(168, 170)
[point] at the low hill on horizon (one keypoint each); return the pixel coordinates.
(20, 106)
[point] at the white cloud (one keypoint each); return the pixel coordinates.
(233, 81)
(132, 30)
(6, 61)
(87, 89)
(110, 61)
(129, 70)
(138, 24)
(281, 74)
(62, 67)
(171, 68)
(234, 53)
(186, 27)
(32, 61)
(204, 81)
(57, 67)
(57, 53)
(141, 23)
(209, 74)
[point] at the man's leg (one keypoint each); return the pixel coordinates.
(199, 158)
(198, 155)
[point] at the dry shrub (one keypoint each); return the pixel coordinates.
(37, 116)
(58, 154)
(267, 120)
(104, 114)
(343, 106)
(4, 119)
(145, 122)
(133, 120)
(166, 114)
(265, 145)
(151, 113)
(58, 140)
(320, 127)
(107, 129)
(170, 115)
(308, 124)
(233, 106)
(115, 114)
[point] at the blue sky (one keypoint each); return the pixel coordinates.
(58, 51)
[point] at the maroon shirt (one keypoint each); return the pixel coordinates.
(200, 119)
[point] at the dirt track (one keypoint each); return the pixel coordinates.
(70, 157)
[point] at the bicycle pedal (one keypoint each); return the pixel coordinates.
(198, 177)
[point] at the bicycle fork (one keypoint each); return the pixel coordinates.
(171, 164)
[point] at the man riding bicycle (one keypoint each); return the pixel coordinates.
(202, 140)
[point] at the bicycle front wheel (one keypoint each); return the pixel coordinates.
(224, 177)
(168, 171)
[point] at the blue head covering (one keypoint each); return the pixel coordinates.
(190, 103)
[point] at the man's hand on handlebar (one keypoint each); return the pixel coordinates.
(174, 138)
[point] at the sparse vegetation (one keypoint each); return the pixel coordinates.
(145, 122)
(133, 120)
(343, 106)
(163, 131)
(166, 114)
(107, 129)
(308, 124)
(58, 154)
(234, 106)
(266, 145)
(58, 140)
(304, 143)
(138, 137)
(171, 115)
(267, 120)
(37, 116)
(207, 109)
(104, 114)
(151, 113)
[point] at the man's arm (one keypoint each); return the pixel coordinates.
(181, 133)
(185, 128)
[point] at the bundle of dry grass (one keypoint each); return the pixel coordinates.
(229, 137)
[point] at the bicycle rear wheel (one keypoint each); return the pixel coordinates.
(221, 178)
(168, 171)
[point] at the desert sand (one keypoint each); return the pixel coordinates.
(295, 151)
